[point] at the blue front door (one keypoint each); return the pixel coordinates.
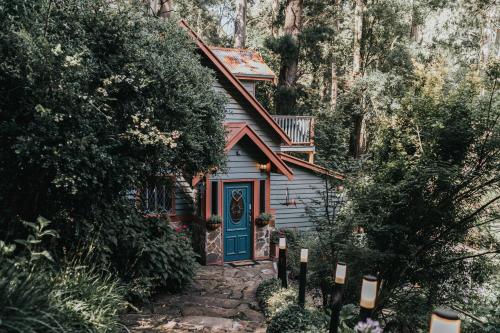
(237, 212)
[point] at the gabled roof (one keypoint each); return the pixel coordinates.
(237, 131)
(224, 70)
(244, 63)
(310, 166)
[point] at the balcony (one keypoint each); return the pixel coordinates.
(300, 129)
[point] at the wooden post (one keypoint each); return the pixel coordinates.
(282, 263)
(303, 277)
(337, 293)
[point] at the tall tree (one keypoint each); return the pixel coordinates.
(359, 132)
(240, 24)
(287, 97)
(275, 7)
(166, 8)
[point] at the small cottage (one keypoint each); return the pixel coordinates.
(263, 187)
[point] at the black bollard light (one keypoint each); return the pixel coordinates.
(445, 321)
(282, 263)
(303, 276)
(368, 297)
(337, 292)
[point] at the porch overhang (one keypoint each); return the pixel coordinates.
(237, 131)
(311, 166)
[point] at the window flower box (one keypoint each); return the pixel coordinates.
(263, 219)
(214, 222)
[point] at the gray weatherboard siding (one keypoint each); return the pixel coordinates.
(238, 113)
(243, 165)
(305, 188)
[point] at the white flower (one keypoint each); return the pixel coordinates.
(72, 61)
(102, 91)
(57, 50)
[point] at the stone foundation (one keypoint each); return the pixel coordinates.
(213, 248)
(262, 239)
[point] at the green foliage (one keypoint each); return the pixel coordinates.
(105, 97)
(146, 253)
(90, 301)
(214, 219)
(75, 299)
(24, 302)
(294, 318)
(266, 289)
(280, 300)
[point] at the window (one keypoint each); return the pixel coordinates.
(157, 199)
(215, 198)
(262, 196)
(236, 208)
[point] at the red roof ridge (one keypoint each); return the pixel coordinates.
(238, 85)
(311, 166)
(232, 48)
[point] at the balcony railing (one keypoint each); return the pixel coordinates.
(299, 128)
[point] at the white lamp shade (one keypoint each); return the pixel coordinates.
(368, 292)
(340, 273)
(304, 253)
(443, 321)
(282, 243)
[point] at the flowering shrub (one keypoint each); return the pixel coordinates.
(368, 326)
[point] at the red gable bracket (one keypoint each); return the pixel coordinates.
(236, 131)
(310, 166)
(236, 83)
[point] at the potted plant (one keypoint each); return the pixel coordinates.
(263, 219)
(275, 237)
(214, 222)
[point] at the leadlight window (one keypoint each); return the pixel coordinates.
(236, 207)
(157, 199)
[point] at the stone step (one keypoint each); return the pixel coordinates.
(209, 324)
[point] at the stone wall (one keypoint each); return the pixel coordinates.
(262, 239)
(213, 248)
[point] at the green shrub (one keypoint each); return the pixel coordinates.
(75, 299)
(280, 300)
(265, 290)
(145, 253)
(149, 254)
(294, 318)
(24, 305)
(89, 301)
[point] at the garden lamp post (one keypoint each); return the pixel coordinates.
(338, 290)
(303, 276)
(282, 263)
(368, 297)
(445, 321)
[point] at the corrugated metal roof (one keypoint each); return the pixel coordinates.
(244, 63)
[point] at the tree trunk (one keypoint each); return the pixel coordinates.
(358, 140)
(358, 34)
(275, 7)
(240, 24)
(166, 8)
(416, 33)
(334, 77)
(287, 80)
(334, 86)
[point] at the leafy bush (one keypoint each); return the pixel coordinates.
(266, 289)
(280, 300)
(294, 318)
(24, 305)
(107, 97)
(89, 301)
(75, 299)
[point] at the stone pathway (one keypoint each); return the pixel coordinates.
(221, 299)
